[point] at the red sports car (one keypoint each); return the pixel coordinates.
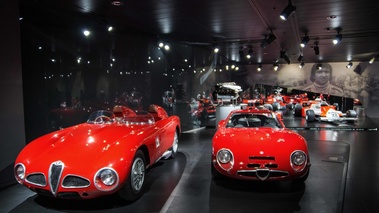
(253, 144)
(109, 153)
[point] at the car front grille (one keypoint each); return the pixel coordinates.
(263, 174)
(36, 179)
(72, 181)
(55, 173)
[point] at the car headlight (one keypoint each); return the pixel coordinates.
(19, 172)
(298, 160)
(224, 156)
(106, 179)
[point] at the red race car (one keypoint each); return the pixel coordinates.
(254, 144)
(109, 153)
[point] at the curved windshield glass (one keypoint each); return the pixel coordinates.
(101, 116)
(253, 120)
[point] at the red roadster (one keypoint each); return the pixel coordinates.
(109, 153)
(253, 144)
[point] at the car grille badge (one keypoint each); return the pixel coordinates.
(262, 174)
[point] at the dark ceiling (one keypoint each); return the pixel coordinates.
(231, 24)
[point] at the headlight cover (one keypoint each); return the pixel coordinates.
(224, 156)
(298, 160)
(106, 179)
(19, 172)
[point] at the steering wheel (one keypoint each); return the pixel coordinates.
(102, 119)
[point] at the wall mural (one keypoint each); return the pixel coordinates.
(361, 81)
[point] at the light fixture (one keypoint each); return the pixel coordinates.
(86, 32)
(271, 38)
(259, 68)
(287, 11)
(316, 49)
(349, 65)
(304, 42)
(216, 49)
(276, 66)
(301, 65)
(250, 53)
(372, 60)
(110, 28)
(300, 58)
(337, 39)
(319, 66)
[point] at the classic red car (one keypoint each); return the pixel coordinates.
(254, 144)
(109, 153)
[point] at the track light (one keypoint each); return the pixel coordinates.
(216, 49)
(317, 50)
(276, 66)
(300, 58)
(337, 39)
(372, 60)
(301, 65)
(319, 66)
(287, 11)
(271, 38)
(349, 65)
(304, 42)
(250, 53)
(259, 68)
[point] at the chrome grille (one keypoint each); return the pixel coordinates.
(263, 174)
(55, 173)
(37, 179)
(71, 181)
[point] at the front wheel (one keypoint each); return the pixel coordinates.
(133, 187)
(175, 144)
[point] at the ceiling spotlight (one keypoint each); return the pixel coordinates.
(276, 66)
(250, 53)
(317, 50)
(337, 39)
(319, 66)
(300, 58)
(372, 60)
(259, 68)
(271, 38)
(301, 65)
(216, 49)
(349, 65)
(287, 11)
(110, 28)
(304, 42)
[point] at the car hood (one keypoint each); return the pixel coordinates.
(84, 144)
(263, 141)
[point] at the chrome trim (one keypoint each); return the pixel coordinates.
(304, 164)
(109, 188)
(16, 176)
(73, 187)
(55, 180)
(231, 162)
(36, 173)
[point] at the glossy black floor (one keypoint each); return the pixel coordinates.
(344, 177)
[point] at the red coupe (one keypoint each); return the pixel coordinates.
(109, 153)
(253, 144)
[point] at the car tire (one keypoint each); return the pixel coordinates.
(297, 112)
(289, 106)
(351, 113)
(133, 188)
(275, 106)
(174, 147)
(310, 116)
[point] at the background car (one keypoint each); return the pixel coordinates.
(109, 153)
(254, 144)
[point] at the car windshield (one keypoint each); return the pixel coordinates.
(104, 116)
(253, 120)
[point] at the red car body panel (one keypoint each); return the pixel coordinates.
(258, 148)
(86, 148)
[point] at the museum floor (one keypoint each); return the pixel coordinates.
(344, 177)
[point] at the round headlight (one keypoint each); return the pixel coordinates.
(19, 172)
(224, 156)
(108, 177)
(298, 158)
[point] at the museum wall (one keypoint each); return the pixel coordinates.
(12, 129)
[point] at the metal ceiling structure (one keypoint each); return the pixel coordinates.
(233, 25)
